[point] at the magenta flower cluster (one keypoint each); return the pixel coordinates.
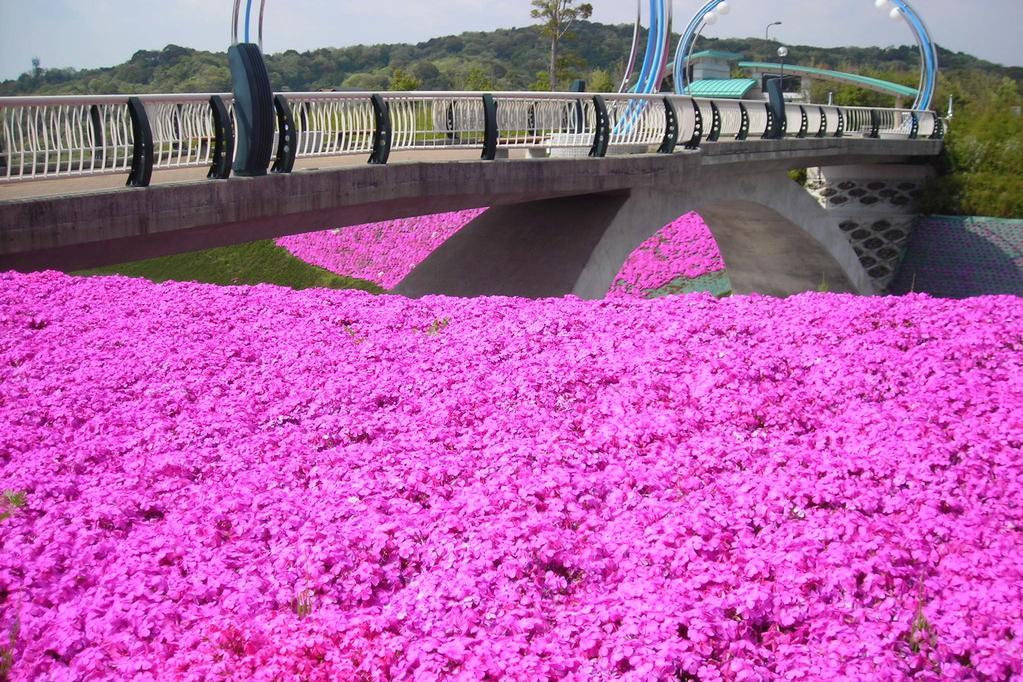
(383, 253)
(263, 484)
(683, 249)
(386, 252)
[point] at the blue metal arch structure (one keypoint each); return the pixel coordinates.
(655, 60)
(928, 50)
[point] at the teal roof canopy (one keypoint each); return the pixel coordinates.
(717, 54)
(875, 84)
(723, 88)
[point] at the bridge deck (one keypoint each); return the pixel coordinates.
(91, 183)
(92, 228)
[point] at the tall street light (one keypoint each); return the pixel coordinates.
(767, 30)
(783, 52)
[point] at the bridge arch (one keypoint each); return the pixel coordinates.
(773, 237)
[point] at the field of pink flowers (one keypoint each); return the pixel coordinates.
(259, 484)
(386, 252)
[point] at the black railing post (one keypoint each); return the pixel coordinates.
(777, 105)
(670, 140)
(804, 123)
(602, 135)
(769, 128)
(715, 122)
(142, 145)
(697, 138)
(914, 127)
(841, 124)
(287, 137)
(939, 127)
(744, 124)
(578, 85)
(875, 124)
(223, 148)
(383, 132)
(823, 132)
(449, 122)
(99, 143)
(253, 109)
(490, 131)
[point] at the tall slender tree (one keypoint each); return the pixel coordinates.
(557, 17)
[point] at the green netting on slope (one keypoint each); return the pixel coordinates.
(960, 257)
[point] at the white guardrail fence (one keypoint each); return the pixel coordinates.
(68, 136)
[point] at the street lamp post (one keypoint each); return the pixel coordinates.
(783, 52)
(767, 30)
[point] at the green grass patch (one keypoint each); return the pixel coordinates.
(437, 326)
(7, 651)
(261, 262)
(9, 503)
(716, 283)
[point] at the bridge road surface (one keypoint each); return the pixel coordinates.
(29, 189)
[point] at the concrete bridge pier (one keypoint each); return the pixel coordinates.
(875, 206)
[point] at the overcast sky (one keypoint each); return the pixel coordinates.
(91, 33)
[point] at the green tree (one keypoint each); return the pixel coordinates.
(983, 151)
(600, 80)
(477, 80)
(542, 82)
(403, 81)
(428, 75)
(558, 16)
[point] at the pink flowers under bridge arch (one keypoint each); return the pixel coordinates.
(386, 252)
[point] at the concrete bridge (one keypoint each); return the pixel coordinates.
(576, 183)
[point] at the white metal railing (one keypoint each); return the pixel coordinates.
(757, 112)
(731, 118)
(67, 136)
(332, 124)
(55, 137)
(183, 133)
(424, 121)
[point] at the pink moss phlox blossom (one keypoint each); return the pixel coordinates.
(262, 484)
(384, 252)
(685, 248)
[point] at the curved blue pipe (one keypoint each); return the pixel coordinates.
(652, 72)
(929, 53)
(657, 56)
(651, 47)
(248, 19)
